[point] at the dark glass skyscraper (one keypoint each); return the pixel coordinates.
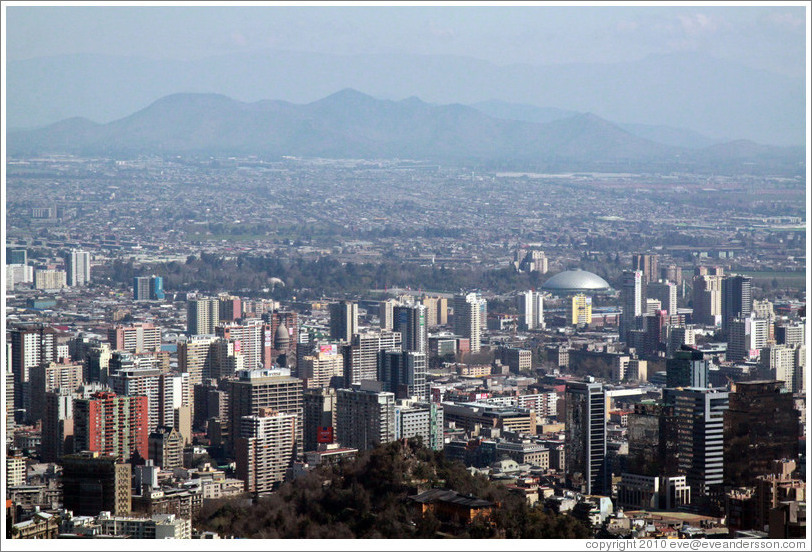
(687, 369)
(343, 320)
(585, 444)
(761, 425)
(737, 299)
(653, 440)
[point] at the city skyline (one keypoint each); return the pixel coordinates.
(405, 272)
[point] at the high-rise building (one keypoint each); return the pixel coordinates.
(230, 307)
(361, 355)
(637, 370)
(250, 341)
(93, 483)
(15, 469)
(78, 268)
(779, 362)
(16, 256)
(195, 357)
(343, 320)
(57, 425)
(202, 315)
(265, 449)
(404, 374)
(531, 304)
(799, 384)
(790, 334)
(324, 369)
(211, 402)
(467, 318)
(136, 338)
(386, 313)
(688, 368)
(746, 337)
(678, 335)
(146, 288)
(533, 260)
(111, 424)
(50, 279)
(737, 299)
(585, 441)
(579, 310)
(176, 403)
(431, 310)
(141, 382)
(166, 448)
(647, 264)
(700, 437)
(516, 359)
(365, 416)
(255, 389)
(50, 377)
(631, 293)
(156, 287)
(18, 274)
(31, 346)
(652, 440)
(666, 293)
(672, 273)
(98, 363)
(9, 377)
(420, 419)
(442, 311)
(141, 288)
(761, 426)
(410, 321)
(707, 299)
(319, 417)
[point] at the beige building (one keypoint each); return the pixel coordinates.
(158, 526)
(265, 449)
(322, 369)
(15, 471)
(50, 279)
(166, 448)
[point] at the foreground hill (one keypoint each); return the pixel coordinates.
(367, 498)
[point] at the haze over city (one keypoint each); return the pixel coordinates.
(405, 272)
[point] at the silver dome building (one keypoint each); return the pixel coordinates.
(576, 281)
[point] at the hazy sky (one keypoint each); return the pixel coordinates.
(766, 37)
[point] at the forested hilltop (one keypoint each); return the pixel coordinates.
(368, 498)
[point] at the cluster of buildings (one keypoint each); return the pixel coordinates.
(669, 403)
(147, 411)
(73, 270)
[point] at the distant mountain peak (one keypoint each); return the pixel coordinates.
(346, 95)
(412, 100)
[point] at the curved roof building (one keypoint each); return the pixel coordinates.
(576, 281)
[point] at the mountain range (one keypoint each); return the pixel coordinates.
(350, 124)
(716, 98)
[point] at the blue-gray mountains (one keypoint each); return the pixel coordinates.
(350, 124)
(716, 98)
